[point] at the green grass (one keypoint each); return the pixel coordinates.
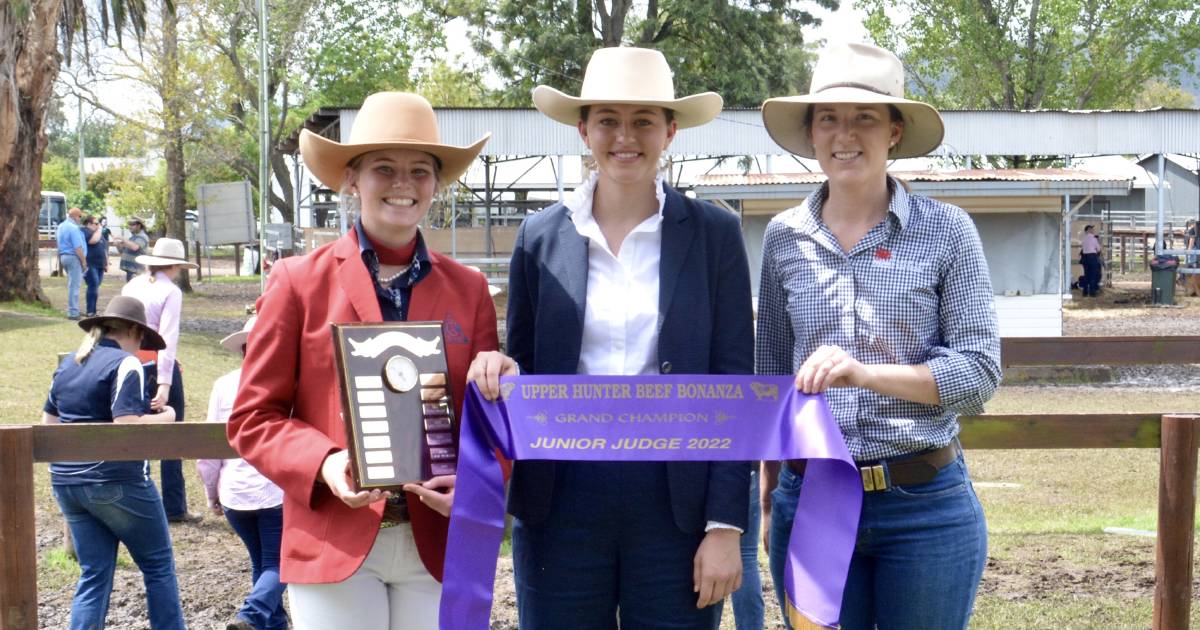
(231, 279)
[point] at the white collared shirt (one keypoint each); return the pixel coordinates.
(620, 322)
(620, 317)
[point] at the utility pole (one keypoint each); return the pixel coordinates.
(79, 135)
(264, 144)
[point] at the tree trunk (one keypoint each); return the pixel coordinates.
(173, 138)
(29, 64)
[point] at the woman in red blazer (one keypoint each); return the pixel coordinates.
(370, 557)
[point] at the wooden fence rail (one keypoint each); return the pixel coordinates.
(1177, 435)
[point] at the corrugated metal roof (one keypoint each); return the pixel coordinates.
(740, 132)
(967, 175)
(1045, 182)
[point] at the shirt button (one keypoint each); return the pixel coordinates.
(665, 368)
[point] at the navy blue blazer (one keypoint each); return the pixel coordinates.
(704, 327)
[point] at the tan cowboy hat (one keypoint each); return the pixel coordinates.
(629, 76)
(854, 73)
(166, 252)
(127, 309)
(234, 342)
(387, 120)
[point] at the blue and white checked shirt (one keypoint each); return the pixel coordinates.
(914, 290)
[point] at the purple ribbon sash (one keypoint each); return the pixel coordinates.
(654, 418)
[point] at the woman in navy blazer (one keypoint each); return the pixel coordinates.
(626, 276)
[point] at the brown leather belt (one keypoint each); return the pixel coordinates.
(906, 470)
(395, 512)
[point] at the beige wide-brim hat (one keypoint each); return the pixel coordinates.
(854, 73)
(127, 309)
(234, 342)
(387, 120)
(166, 252)
(627, 76)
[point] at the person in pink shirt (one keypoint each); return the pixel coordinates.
(252, 505)
(156, 290)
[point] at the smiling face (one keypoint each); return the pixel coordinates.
(395, 188)
(627, 140)
(851, 141)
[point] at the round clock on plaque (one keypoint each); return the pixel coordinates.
(400, 373)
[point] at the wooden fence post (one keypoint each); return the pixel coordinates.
(18, 561)
(1176, 522)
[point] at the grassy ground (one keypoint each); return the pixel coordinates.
(1050, 564)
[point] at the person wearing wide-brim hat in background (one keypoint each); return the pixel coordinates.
(251, 503)
(370, 556)
(132, 246)
(108, 503)
(163, 300)
(881, 300)
(626, 276)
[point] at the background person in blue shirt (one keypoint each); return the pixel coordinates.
(111, 502)
(881, 300)
(72, 255)
(97, 260)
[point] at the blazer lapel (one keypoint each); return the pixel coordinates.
(355, 280)
(677, 234)
(570, 266)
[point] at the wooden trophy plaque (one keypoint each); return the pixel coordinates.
(396, 402)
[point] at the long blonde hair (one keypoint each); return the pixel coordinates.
(93, 336)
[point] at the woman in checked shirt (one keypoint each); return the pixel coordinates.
(881, 300)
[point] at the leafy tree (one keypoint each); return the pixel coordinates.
(31, 35)
(1159, 93)
(60, 174)
(746, 50)
(85, 200)
(170, 65)
(322, 54)
(450, 85)
(1036, 54)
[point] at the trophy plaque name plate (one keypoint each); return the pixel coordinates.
(396, 402)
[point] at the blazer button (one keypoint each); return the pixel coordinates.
(665, 368)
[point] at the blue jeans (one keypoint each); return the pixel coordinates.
(74, 271)
(101, 515)
(261, 531)
(174, 494)
(919, 556)
(609, 548)
(748, 600)
(93, 278)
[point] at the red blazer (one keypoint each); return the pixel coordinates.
(286, 419)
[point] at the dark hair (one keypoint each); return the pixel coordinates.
(584, 110)
(153, 269)
(893, 112)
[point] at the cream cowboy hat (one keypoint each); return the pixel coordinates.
(234, 342)
(166, 252)
(854, 73)
(387, 120)
(127, 309)
(633, 76)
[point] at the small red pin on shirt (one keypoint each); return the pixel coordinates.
(883, 253)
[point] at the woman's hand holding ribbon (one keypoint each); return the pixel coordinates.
(487, 368)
